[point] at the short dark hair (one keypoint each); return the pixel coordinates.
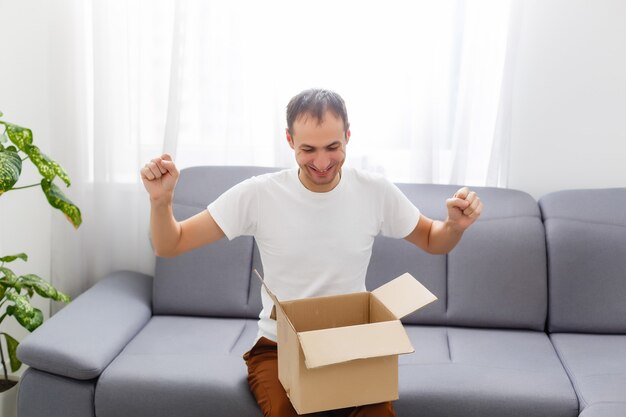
(315, 102)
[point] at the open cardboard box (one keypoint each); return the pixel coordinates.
(342, 351)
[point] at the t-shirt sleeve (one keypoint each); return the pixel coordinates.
(399, 216)
(236, 211)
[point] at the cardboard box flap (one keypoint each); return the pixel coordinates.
(342, 344)
(404, 295)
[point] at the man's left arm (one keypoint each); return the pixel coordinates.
(437, 237)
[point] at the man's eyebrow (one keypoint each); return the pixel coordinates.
(337, 142)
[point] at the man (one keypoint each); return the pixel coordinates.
(320, 220)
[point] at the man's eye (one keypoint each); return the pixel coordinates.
(307, 150)
(333, 148)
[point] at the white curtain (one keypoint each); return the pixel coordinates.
(427, 85)
(108, 120)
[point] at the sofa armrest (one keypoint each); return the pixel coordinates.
(84, 337)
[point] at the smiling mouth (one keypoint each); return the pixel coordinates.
(321, 173)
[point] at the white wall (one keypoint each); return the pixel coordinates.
(569, 97)
(25, 216)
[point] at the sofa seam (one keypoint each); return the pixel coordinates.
(482, 366)
(243, 328)
(194, 206)
(547, 324)
(250, 272)
(119, 352)
(447, 298)
(582, 402)
(605, 374)
(570, 219)
(521, 216)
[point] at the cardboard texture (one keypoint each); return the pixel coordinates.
(342, 351)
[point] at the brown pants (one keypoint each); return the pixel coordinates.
(262, 361)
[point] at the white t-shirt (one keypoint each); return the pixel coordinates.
(313, 244)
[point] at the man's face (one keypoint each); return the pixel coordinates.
(320, 150)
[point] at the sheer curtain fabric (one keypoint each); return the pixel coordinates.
(427, 86)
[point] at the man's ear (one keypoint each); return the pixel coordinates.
(289, 138)
(347, 136)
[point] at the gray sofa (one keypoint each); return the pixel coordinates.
(531, 318)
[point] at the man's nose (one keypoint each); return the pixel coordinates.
(322, 161)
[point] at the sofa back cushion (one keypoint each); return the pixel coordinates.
(586, 243)
(495, 277)
(213, 280)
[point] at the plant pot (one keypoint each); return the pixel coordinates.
(8, 399)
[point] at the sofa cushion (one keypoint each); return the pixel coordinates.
(586, 243)
(591, 205)
(192, 366)
(181, 366)
(457, 372)
(605, 410)
(503, 284)
(212, 280)
(596, 364)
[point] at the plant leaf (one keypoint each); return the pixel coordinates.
(10, 169)
(11, 258)
(20, 136)
(9, 276)
(23, 139)
(46, 166)
(29, 317)
(3, 137)
(58, 170)
(21, 303)
(37, 158)
(43, 287)
(35, 321)
(58, 200)
(12, 345)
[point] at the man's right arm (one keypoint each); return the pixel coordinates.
(170, 237)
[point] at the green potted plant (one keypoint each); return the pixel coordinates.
(16, 291)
